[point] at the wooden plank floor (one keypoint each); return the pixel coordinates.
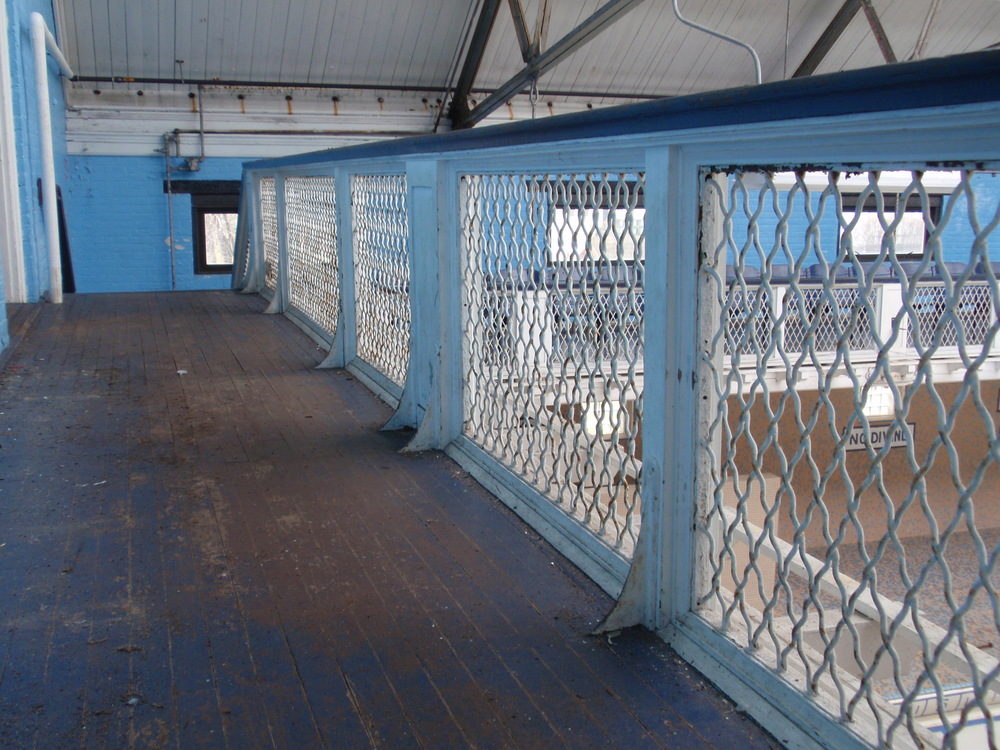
(205, 542)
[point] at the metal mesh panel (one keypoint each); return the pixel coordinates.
(382, 273)
(553, 291)
(311, 224)
(824, 315)
(750, 322)
(269, 231)
(974, 313)
(848, 524)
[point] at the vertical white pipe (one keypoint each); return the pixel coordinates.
(38, 33)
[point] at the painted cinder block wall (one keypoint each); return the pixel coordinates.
(119, 223)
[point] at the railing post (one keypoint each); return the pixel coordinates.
(279, 303)
(695, 401)
(777, 300)
(642, 599)
(422, 223)
(243, 250)
(345, 338)
(890, 302)
(436, 328)
(255, 265)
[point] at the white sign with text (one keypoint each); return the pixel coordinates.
(880, 434)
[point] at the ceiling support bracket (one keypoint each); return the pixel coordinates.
(587, 30)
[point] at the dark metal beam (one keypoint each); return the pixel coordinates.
(458, 111)
(520, 29)
(541, 37)
(601, 19)
(879, 31)
(828, 38)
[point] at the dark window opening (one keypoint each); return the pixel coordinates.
(214, 218)
(215, 205)
(910, 236)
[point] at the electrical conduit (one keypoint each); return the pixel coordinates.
(41, 38)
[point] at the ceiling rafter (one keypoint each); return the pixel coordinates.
(925, 30)
(541, 37)
(879, 31)
(520, 29)
(834, 30)
(458, 110)
(543, 61)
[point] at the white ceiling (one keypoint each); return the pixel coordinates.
(375, 44)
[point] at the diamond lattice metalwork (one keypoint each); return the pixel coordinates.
(311, 227)
(849, 471)
(382, 272)
(553, 365)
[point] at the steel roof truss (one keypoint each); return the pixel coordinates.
(606, 15)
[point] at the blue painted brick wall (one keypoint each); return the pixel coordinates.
(25, 105)
(118, 221)
(957, 238)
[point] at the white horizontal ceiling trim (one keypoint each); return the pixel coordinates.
(117, 129)
(216, 146)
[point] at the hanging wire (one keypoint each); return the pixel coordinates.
(533, 95)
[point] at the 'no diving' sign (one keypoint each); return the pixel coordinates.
(879, 435)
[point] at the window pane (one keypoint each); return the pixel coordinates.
(573, 231)
(867, 236)
(220, 238)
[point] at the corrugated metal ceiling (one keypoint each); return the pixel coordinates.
(409, 43)
(370, 43)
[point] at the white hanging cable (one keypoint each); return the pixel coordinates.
(533, 95)
(720, 35)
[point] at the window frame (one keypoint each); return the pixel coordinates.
(890, 203)
(572, 202)
(207, 197)
(201, 206)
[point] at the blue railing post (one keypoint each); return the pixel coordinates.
(344, 346)
(422, 223)
(279, 303)
(435, 350)
(243, 250)
(254, 281)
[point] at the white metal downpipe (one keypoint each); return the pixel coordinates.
(41, 38)
(720, 35)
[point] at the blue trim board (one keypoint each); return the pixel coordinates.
(960, 79)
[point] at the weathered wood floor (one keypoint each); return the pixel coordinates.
(205, 542)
